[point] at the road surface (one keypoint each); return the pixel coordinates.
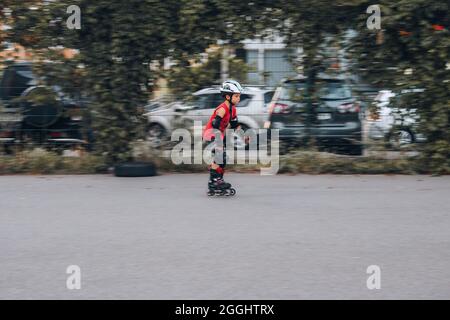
(280, 237)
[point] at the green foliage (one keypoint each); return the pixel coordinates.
(119, 39)
(414, 35)
(39, 161)
(116, 43)
(316, 163)
(45, 162)
(411, 52)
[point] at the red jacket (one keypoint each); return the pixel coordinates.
(208, 131)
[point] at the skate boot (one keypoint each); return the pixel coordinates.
(217, 186)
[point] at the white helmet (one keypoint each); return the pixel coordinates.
(231, 86)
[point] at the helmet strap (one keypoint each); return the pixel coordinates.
(231, 104)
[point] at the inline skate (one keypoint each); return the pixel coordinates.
(218, 187)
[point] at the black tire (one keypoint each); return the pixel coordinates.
(8, 149)
(356, 150)
(135, 169)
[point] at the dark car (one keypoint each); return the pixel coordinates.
(325, 110)
(37, 114)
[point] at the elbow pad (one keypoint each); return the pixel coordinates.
(234, 123)
(216, 122)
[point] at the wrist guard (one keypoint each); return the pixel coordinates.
(234, 123)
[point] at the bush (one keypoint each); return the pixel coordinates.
(39, 161)
(317, 163)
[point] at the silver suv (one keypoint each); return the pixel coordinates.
(252, 113)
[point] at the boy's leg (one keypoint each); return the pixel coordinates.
(216, 167)
(224, 157)
(224, 163)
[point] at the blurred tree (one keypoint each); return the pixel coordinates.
(309, 24)
(411, 51)
(116, 43)
(118, 40)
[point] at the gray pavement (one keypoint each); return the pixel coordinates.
(280, 237)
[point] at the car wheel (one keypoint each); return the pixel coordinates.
(400, 138)
(156, 135)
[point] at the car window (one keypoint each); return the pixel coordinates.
(213, 100)
(332, 90)
(245, 100)
(208, 100)
(292, 91)
(201, 101)
(216, 100)
(268, 96)
(15, 81)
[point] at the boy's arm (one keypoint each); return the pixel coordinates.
(219, 115)
(234, 124)
(221, 112)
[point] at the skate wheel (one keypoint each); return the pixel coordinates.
(232, 192)
(210, 193)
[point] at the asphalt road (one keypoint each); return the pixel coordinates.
(280, 237)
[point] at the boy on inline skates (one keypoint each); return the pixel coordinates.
(223, 117)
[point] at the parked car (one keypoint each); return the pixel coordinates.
(155, 104)
(392, 121)
(252, 113)
(34, 113)
(334, 119)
